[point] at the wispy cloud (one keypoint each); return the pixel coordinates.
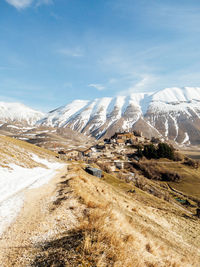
(71, 52)
(178, 17)
(145, 82)
(97, 86)
(22, 4)
(112, 81)
(131, 70)
(43, 2)
(181, 16)
(55, 16)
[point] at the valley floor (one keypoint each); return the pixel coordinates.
(79, 220)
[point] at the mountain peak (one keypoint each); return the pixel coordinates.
(176, 94)
(18, 112)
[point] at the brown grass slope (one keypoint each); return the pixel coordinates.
(136, 229)
(189, 182)
(19, 153)
(113, 227)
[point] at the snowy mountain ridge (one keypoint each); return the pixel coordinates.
(172, 112)
(19, 112)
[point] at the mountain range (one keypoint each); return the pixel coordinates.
(172, 113)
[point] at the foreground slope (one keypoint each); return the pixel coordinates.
(173, 113)
(22, 166)
(80, 220)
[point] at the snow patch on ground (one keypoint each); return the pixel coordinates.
(15, 179)
(9, 210)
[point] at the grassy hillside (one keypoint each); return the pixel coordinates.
(82, 220)
(19, 153)
(114, 227)
(190, 178)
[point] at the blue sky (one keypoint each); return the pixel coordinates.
(54, 51)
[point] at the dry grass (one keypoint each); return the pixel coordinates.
(18, 152)
(115, 228)
(121, 232)
(190, 178)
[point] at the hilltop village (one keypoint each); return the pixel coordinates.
(120, 155)
(112, 155)
(121, 147)
(148, 164)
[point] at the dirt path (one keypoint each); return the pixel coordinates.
(33, 224)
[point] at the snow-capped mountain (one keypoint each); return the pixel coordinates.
(173, 113)
(16, 112)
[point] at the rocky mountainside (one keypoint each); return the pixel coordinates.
(173, 113)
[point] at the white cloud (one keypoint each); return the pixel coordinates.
(22, 4)
(112, 81)
(98, 86)
(71, 52)
(145, 82)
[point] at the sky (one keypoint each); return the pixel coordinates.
(55, 51)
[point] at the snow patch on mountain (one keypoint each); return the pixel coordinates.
(186, 139)
(166, 128)
(19, 112)
(60, 116)
(175, 94)
(176, 127)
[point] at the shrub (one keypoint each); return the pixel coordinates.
(192, 163)
(178, 156)
(151, 171)
(165, 151)
(150, 151)
(170, 176)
